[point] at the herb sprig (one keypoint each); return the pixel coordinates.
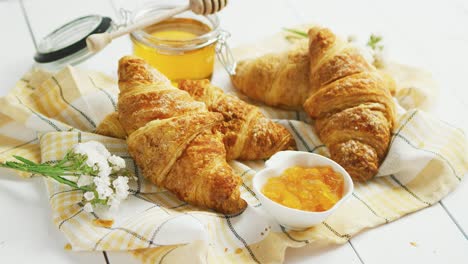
(88, 167)
(297, 32)
(72, 164)
(375, 42)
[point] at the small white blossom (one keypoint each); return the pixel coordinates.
(84, 180)
(96, 154)
(121, 187)
(104, 169)
(88, 208)
(103, 186)
(117, 162)
(89, 196)
(106, 165)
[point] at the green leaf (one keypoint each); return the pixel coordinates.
(374, 41)
(24, 160)
(297, 32)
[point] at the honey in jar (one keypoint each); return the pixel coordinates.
(314, 189)
(180, 48)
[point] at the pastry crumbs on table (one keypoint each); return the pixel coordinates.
(67, 247)
(414, 244)
(238, 250)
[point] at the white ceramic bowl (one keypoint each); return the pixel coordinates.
(289, 217)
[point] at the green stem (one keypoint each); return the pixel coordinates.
(297, 32)
(46, 171)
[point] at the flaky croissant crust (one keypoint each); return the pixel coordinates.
(171, 138)
(248, 134)
(351, 103)
(348, 98)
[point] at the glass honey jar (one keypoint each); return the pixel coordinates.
(182, 47)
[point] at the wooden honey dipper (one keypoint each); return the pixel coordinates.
(97, 42)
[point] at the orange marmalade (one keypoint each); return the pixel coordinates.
(313, 189)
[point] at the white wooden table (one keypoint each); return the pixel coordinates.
(429, 34)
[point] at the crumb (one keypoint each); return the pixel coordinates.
(266, 229)
(225, 249)
(103, 223)
(261, 233)
(68, 247)
(238, 250)
(414, 244)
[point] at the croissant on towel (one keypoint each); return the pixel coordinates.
(248, 134)
(110, 126)
(349, 99)
(282, 79)
(353, 108)
(171, 138)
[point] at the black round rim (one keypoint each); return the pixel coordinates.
(73, 48)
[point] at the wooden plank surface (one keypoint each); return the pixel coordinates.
(428, 236)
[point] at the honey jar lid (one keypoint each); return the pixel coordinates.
(67, 43)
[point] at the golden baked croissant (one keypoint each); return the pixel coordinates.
(353, 108)
(110, 126)
(350, 100)
(171, 138)
(248, 134)
(276, 79)
(282, 79)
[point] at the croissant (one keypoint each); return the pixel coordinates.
(352, 107)
(110, 126)
(282, 79)
(248, 134)
(349, 99)
(171, 138)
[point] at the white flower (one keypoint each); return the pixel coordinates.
(96, 154)
(121, 187)
(92, 147)
(103, 186)
(88, 208)
(89, 196)
(84, 180)
(100, 159)
(104, 169)
(117, 162)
